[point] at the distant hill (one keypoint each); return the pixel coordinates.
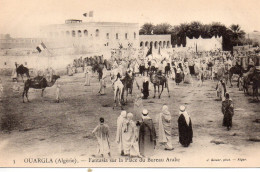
(255, 36)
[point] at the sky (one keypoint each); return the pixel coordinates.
(24, 18)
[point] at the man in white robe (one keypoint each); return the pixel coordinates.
(102, 134)
(119, 137)
(164, 133)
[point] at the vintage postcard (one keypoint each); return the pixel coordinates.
(127, 83)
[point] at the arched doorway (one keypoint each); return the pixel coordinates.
(146, 44)
(141, 44)
(164, 44)
(151, 44)
(156, 45)
(168, 44)
(160, 44)
(97, 33)
(73, 33)
(85, 33)
(79, 33)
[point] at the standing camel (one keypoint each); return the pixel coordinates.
(157, 81)
(38, 82)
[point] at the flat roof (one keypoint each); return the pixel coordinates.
(94, 24)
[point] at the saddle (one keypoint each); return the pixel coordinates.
(38, 79)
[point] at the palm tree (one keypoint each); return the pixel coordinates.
(237, 33)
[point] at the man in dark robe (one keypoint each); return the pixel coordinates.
(228, 111)
(185, 128)
(147, 135)
(145, 89)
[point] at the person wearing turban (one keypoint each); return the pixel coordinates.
(164, 133)
(185, 127)
(147, 135)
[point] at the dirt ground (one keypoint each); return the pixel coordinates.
(45, 129)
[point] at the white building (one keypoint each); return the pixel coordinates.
(87, 37)
(204, 44)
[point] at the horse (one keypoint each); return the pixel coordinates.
(21, 70)
(118, 91)
(237, 69)
(99, 68)
(157, 81)
(167, 69)
(247, 77)
(38, 82)
(256, 85)
(107, 64)
(128, 85)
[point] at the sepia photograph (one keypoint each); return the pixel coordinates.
(127, 83)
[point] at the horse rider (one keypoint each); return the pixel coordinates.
(251, 63)
(49, 74)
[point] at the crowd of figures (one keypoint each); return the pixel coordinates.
(138, 138)
(179, 66)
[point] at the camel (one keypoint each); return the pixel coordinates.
(157, 81)
(38, 82)
(21, 70)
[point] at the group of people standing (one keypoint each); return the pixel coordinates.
(138, 138)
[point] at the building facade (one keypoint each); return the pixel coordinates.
(28, 43)
(88, 37)
(163, 41)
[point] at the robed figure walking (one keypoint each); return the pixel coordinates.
(102, 134)
(185, 127)
(164, 125)
(147, 135)
(228, 111)
(121, 120)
